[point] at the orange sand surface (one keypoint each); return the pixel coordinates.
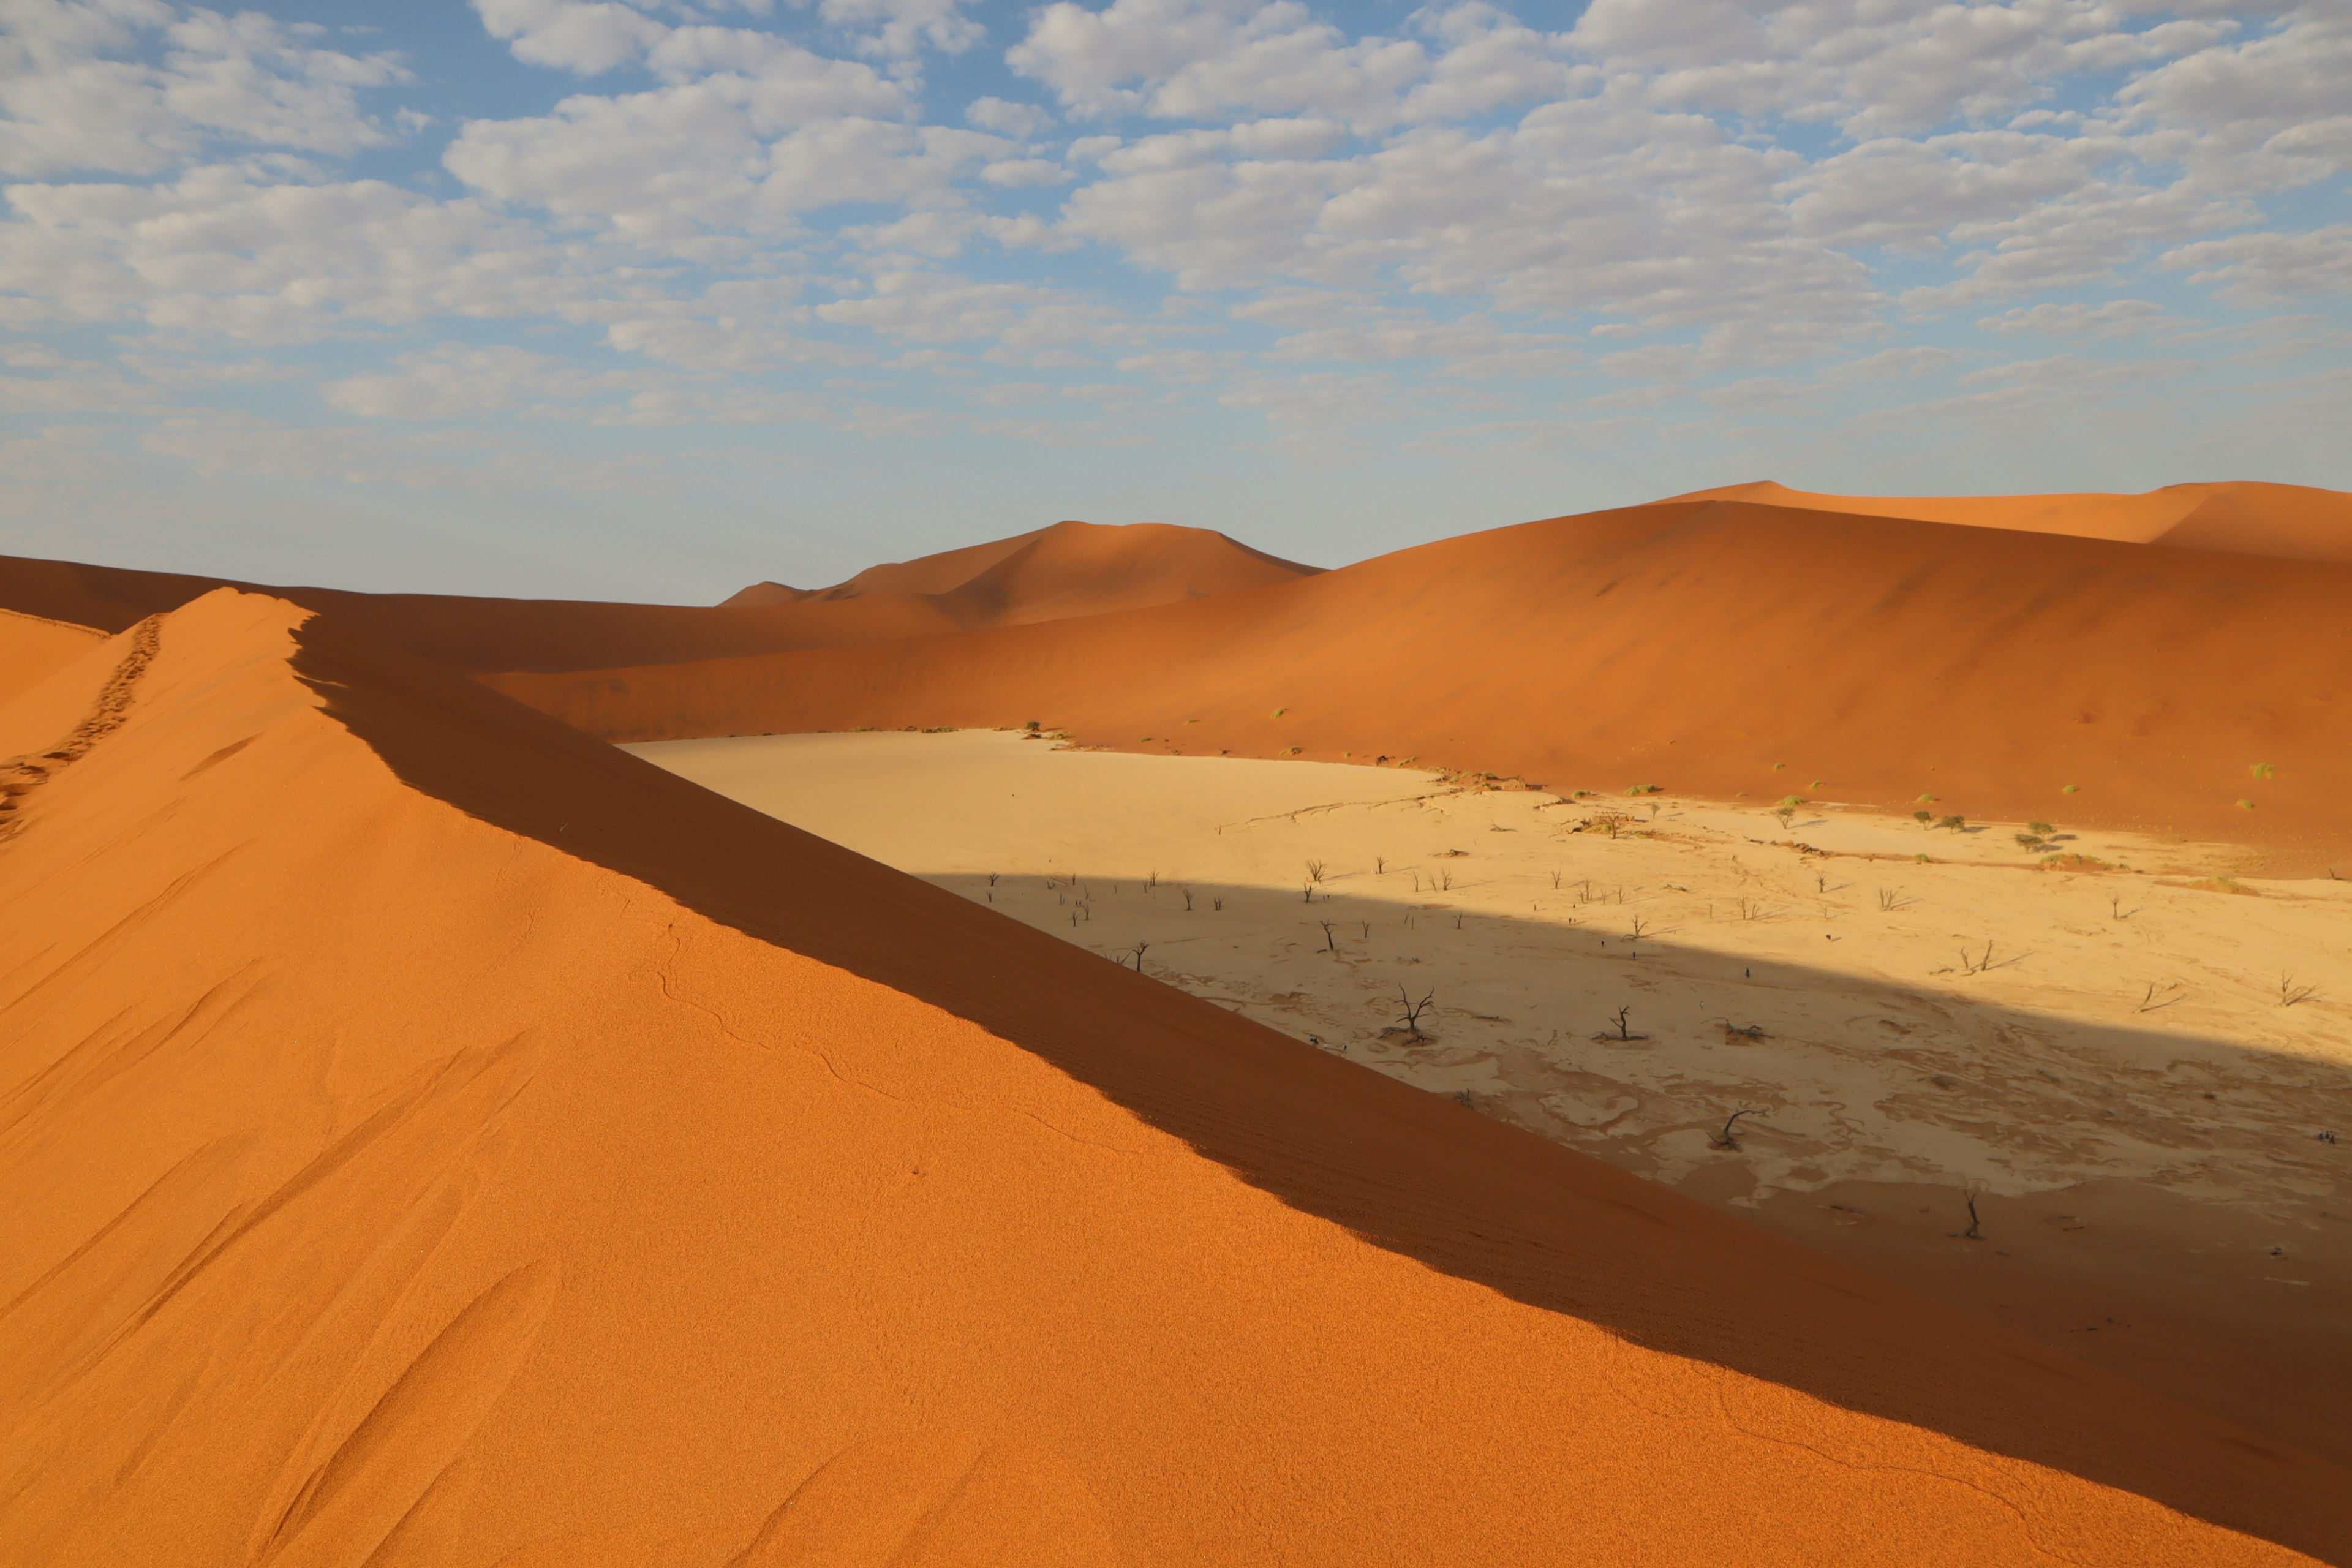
(2155, 1134)
(1070, 569)
(31, 649)
(1714, 648)
(2292, 520)
(435, 1137)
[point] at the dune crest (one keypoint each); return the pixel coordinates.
(1717, 649)
(591, 1171)
(1069, 569)
(2248, 517)
(764, 595)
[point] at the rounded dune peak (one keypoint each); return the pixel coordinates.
(2249, 517)
(1085, 569)
(1068, 569)
(761, 596)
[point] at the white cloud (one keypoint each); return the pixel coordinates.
(1012, 393)
(1008, 119)
(586, 38)
(1197, 60)
(903, 27)
(940, 308)
(1906, 364)
(1764, 392)
(455, 380)
(1321, 416)
(238, 445)
(225, 253)
(2251, 268)
(1193, 367)
(2072, 372)
(2279, 103)
(1902, 67)
(1362, 223)
(1470, 346)
(727, 151)
(67, 104)
(1021, 171)
(2111, 319)
(60, 385)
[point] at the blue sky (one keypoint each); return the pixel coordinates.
(651, 298)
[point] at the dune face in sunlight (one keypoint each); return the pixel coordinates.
(32, 649)
(436, 1138)
(2291, 521)
(1717, 648)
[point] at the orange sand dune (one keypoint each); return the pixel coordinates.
(2252, 518)
(1711, 647)
(433, 1137)
(1070, 569)
(32, 649)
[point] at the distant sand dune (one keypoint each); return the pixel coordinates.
(433, 1137)
(1070, 569)
(1713, 648)
(2252, 518)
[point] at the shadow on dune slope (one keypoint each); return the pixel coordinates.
(2195, 1282)
(1412, 1174)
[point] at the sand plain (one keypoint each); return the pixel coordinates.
(2142, 1073)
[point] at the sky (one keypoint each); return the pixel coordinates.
(652, 299)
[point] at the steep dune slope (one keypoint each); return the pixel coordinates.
(435, 1138)
(2295, 521)
(1713, 648)
(1070, 569)
(31, 649)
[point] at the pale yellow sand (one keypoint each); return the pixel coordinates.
(1883, 1057)
(2125, 1087)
